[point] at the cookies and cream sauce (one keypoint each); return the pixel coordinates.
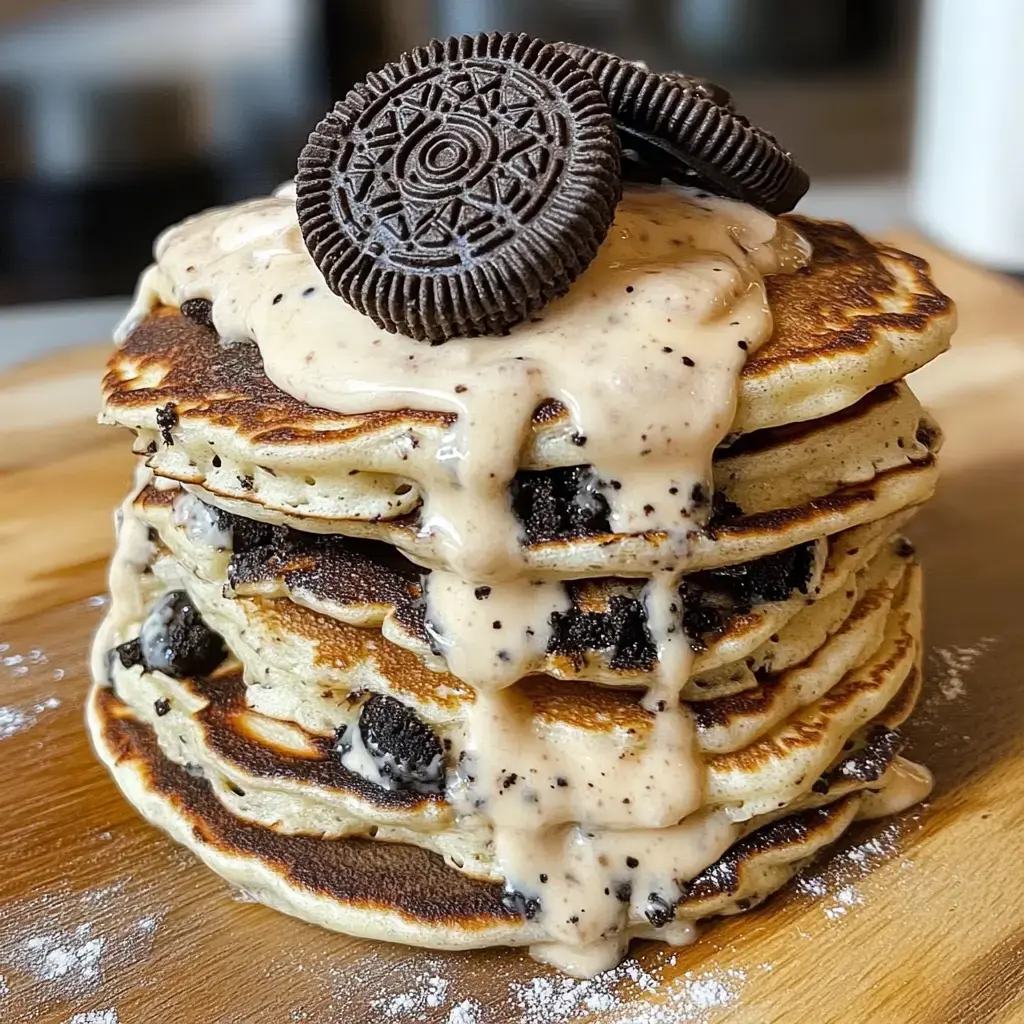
(645, 353)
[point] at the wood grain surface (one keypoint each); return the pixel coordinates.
(103, 920)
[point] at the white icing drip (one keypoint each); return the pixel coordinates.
(604, 954)
(905, 783)
(590, 882)
(286, 190)
(675, 655)
(640, 774)
(582, 961)
(491, 636)
(636, 786)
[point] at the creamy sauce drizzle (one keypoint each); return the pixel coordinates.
(905, 783)
(491, 635)
(524, 773)
(637, 791)
(645, 353)
(200, 522)
(591, 883)
(675, 655)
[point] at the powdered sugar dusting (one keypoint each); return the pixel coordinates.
(443, 991)
(14, 719)
(67, 944)
(833, 883)
(951, 664)
(694, 996)
(846, 898)
(427, 993)
(554, 998)
(17, 718)
(949, 670)
(466, 1012)
(75, 956)
(95, 1017)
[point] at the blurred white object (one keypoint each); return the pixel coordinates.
(28, 332)
(967, 180)
(872, 205)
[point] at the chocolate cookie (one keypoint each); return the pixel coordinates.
(460, 189)
(402, 746)
(199, 311)
(686, 129)
(175, 640)
(597, 62)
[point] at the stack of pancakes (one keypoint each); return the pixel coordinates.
(280, 682)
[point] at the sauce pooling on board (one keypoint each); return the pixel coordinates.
(598, 828)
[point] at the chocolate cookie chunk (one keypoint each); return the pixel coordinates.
(622, 630)
(712, 596)
(175, 639)
(403, 747)
(199, 311)
(559, 504)
(685, 129)
(460, 189)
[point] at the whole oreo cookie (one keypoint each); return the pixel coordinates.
(460, 189)
(687, 130)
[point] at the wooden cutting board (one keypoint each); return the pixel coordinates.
(103, 920)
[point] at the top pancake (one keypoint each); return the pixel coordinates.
(858, 316)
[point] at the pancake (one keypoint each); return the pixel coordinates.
(780, 762)
(295, 656)
(785, 467)
(322, 482)
(859, 316)
(872, 315)
(601, 639)
(275, 774)
(764, 749)
(729, 538)
(400, 893)
(731, 722)
(778, 488)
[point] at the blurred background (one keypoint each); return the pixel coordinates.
(119, 117)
